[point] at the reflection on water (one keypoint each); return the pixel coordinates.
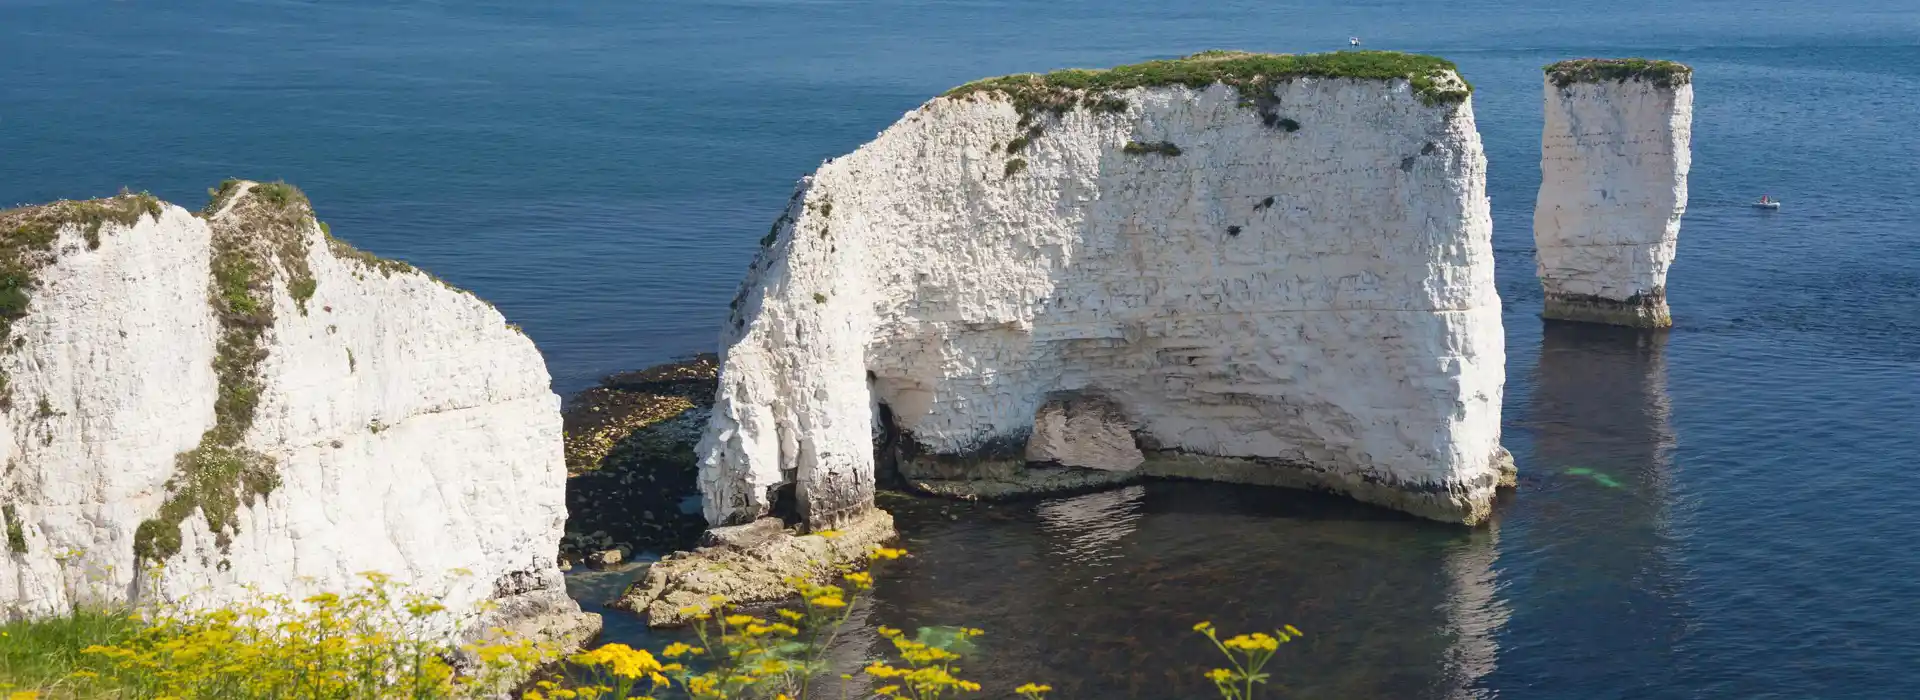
(1097, 594)
(1593, 565)
(1086, 530)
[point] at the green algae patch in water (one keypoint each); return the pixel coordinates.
(1600, 478)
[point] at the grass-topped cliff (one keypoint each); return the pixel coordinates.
(1435, 80)
(1666, 74)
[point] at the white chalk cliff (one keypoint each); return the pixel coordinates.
(1614, 156)
(1283, 277)
(239, 397)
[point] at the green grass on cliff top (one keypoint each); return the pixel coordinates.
(1593, 70)
(1242, 69)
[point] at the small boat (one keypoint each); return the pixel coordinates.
(1353, 41)
(1767, 202)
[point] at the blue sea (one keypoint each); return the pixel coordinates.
(1726, 510)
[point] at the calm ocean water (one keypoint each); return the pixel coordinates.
(1726, 510)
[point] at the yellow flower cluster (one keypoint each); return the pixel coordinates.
(929, 671)
(375, 643)
(1033, 691)
(1249, 653)
(367, 644)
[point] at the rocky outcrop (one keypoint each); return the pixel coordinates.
(1614, 156)
(749, 563)
(197, 402)
(1277, 265)
(631, 479)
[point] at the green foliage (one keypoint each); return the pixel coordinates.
(1433, 79)
(43, 655)
(218, 197)
(1666, 74)
(212, 479)
(386, 267)
(279, 194)
(1015, 166)
(366, 645)
(819, 298)
(303, 290)
(16, 533)
(1165, 148)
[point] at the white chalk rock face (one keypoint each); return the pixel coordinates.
(1290, 284)
(252, 403)
(1614, 156)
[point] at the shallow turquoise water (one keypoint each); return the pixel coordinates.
(1721, 511)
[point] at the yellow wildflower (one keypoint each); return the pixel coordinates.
(888, 553)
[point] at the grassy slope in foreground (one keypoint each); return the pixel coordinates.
(1664, 74)
(1434, 80)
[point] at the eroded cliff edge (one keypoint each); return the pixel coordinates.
(197, 402)
(1253, 268)
(1614, 155)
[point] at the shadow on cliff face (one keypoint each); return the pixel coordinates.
(632, 476)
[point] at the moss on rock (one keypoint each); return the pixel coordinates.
(1666, 74)
(16, 533)
(257, 229)
(1165, 148)
(1435, 81)
(630, 458)
(27, 238)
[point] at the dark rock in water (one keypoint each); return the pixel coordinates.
(605, 558)
(630, 459)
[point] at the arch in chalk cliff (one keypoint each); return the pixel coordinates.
(1303, 298)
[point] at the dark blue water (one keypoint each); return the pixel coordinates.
(1726, 510)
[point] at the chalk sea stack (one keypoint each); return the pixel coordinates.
(1255, 268)
(199, 402)
(1614, 156)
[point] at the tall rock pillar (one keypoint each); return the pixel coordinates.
(1614, 155)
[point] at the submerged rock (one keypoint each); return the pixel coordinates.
(250, 402)
(1614, 156)
(1279, 266)
(632, 479)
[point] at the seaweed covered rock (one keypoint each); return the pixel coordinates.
(201, 402)
(631, 474)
